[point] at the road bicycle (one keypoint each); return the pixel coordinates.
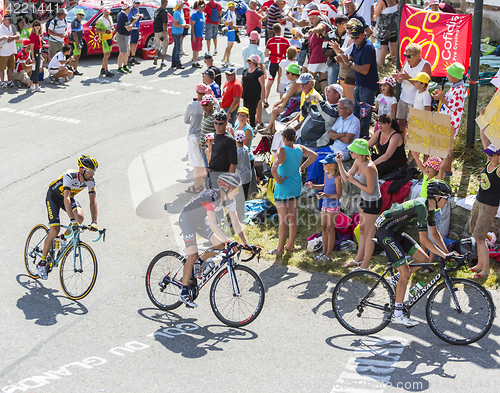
(78, 270)
(459, 311)
(237, 293)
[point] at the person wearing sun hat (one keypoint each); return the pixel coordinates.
(253, 49)
(292, 90)
(434, 6)
(485, 206)
(453, 102)
(253, 80)
(364, 175)
(243, 168)
(194, 116)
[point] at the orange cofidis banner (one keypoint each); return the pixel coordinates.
(445, 38)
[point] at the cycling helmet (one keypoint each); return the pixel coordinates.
(87, 162)
(229, 180)
(438, 188)
(220, 116)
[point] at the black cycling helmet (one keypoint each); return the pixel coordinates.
(229, 180)
(220, 116)
(438, 188)
(87, 162)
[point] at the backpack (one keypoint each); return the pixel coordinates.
(47, 24)
(214, 16)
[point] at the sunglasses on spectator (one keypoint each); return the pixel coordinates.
(408, 56)
(219, 123)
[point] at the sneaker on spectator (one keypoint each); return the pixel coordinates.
(103, 71)
(42, 271)
(3, 85)
(32, 89)
(155, 60)
(215, 52)
(11, 84)
(135, 61)
(183, 53)
(38, 89)
(53, 80)
(187, 300)
(121, 70)
(197, 65)
(109, 74)
(163, 64)
(127, 69)
(180, 67)
(78, 73)
(229, 64)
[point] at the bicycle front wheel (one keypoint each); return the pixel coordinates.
(362, 305)
(33, 249)
(469, 324)
(237, 296)
(78, 271)
(164, 280)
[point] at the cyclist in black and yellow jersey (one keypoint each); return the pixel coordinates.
(61, 196)
(390, 226)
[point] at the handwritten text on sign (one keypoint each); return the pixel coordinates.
(429, 132)
(491, 118)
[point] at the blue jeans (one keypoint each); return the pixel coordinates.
(176, 53)
(363, 94)
(232, 121)
(333, 73)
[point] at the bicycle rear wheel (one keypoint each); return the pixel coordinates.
(78, 273)
(465, 327)
(33, 249)
(243, 305)
(361, 305)
(164, 280)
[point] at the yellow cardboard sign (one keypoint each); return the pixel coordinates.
(429, 132)
(491, 118)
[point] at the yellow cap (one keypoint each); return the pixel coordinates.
(422, 77)
(244, 109)
(230, 4)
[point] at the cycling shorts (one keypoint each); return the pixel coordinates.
(396, 245)
(190, 228)
(54, 204)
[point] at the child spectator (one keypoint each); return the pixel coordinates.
(276, 49)
(291, 54)
(332, 192)
(209, 140)
(453, 102)
(386, 102)
(296, 39)
(433, 169)
(423, 99)
(243, 167)
(57, 66)
(24, 67)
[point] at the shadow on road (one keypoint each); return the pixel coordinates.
(43, 305)
(184, 336)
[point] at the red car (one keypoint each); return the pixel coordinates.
(92, 43)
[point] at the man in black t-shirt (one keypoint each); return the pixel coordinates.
(160, 30)
(209, 61)
(224, 156)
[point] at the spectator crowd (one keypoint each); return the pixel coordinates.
(322, 59)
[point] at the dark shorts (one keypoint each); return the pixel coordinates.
(54, 205)
(372, 207)
(386, 42)
(185, 32)
(191, 227)
(134, 36)
(396, 245)
(349, 80)
(273, 70)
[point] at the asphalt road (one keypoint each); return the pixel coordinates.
(133, 125)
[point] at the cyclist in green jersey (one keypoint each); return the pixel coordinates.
(390, 226)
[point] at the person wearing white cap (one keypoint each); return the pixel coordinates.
(57, 31)
(485, 206)
(306, 81)
(8, 51)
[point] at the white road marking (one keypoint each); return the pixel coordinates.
(72, 98)
(170, 92)
(40, 116)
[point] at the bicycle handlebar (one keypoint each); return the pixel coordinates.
(102, 232)
(228, 252)
(460, 259)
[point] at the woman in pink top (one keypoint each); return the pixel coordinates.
(317, 61)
